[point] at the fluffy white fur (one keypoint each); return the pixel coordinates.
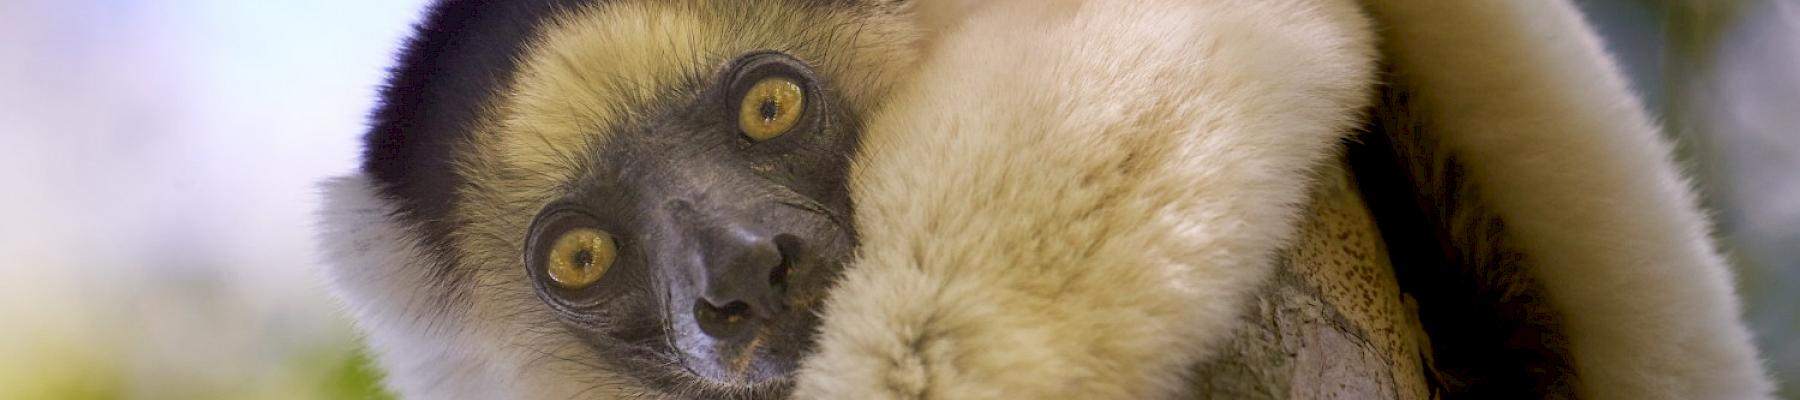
(1524, 95)
(380, 271)
(1074, 199)
(428, 341)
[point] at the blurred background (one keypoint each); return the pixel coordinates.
(158, 162)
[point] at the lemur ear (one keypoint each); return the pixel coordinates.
(1523, 99)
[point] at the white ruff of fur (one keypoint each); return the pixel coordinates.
(1524, 95)
(429, 347)
(1076, 199)
(380, 271)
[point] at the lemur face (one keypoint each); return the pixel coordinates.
(704, 233)
(632, 197)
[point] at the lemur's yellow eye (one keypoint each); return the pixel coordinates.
(579, 257)
(771, 108)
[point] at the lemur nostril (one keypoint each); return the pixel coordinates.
(778, 276)
(722, 321)
(787, 247)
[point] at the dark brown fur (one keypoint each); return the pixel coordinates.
(1492, 333)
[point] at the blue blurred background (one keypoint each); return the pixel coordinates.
(158, 162)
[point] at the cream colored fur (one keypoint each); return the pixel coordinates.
(1075, 199)
(1524, 95)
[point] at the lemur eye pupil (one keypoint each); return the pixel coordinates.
(584, 259)
(769, 109)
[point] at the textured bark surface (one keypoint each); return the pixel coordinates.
(1332, 323)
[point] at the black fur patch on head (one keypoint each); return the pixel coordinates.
(461, 55)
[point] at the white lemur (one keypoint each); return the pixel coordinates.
(1010, 199)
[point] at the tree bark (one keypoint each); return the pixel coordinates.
(1332, 322)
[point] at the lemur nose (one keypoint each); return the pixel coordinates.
(743, 282)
